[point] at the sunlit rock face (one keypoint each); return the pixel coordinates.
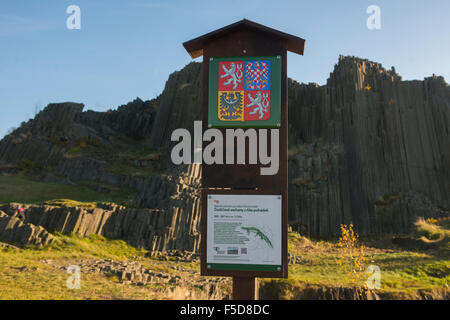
(366, 148)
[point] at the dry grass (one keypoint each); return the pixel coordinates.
(71, 203)
(434, 231)
(405, 274)
(25, 274)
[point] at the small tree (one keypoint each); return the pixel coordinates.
(352, 260)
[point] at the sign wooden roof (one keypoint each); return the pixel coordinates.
(288, 41)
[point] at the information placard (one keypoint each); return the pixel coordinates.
(244, 232)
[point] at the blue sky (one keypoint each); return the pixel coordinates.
(127, 49)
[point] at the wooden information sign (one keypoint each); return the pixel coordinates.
(244, 202)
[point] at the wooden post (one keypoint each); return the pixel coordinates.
(244, 288)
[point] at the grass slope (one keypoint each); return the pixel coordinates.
(25, 190)
(403, 273)
(25, 275)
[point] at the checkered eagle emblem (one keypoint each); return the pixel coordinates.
(257, 75)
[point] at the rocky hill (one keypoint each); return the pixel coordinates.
(369, 148)
(366, 147)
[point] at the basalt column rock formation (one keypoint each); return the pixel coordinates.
(180, 105)
(45, 139)
(174, 225)
(368, 148)
(15, 231)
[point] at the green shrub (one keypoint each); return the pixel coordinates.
(29, 166)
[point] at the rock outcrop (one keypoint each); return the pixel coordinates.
(180, 104)
(16, 232)
(185, 284)
(366, 148)
(38, 140)
(175, 225)
(45, 139)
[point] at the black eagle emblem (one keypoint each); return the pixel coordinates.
(231, 103)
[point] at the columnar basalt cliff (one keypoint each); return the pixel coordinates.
(49, 136)
(366, 148)
(180, 105)
(174, 226)
(17, 232)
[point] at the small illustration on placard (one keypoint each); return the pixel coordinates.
(219, 250)
(233, 250)
(259, 234)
